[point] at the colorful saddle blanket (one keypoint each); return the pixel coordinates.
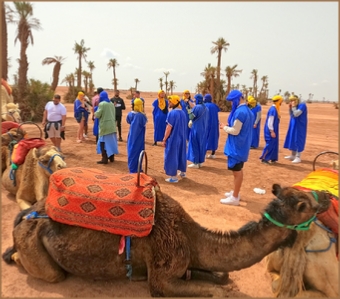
(102, 201)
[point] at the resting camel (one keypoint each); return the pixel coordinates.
(32, 177)
(310, 267)
(48, 250)
(11, 112)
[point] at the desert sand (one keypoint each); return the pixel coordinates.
(199, 194)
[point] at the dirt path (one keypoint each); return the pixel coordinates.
(199, 194)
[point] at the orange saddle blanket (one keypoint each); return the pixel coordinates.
(102, 201)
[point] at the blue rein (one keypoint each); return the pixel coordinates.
(49, 163)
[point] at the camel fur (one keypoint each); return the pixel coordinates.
(48, 250)
(11, 112)
(32, 179)
(6, 92)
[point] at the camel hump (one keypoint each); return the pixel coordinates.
(102, 201)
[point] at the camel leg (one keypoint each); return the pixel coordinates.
(214, 277)
(32, 254)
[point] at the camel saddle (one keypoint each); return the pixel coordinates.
(98, 200)
(21, 149)
(7, 125)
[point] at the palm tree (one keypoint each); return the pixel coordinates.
(69, 79)
(136, 81)
(219, 45)
(209, 75)
(57, 60)
(4, 47)
(166, 80)
(87, 76)
(22, 17)
(172, 85)
(115, 82)
(90, 65)
(81, 51)
(230, 73)
(161, 83)
(113, 63)
(254, 77)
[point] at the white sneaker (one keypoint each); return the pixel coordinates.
(230, 201)
(194, 165)
(296, 160)
(211, 156)
(290, 157)
(200, 165)
(85, 136)
(227, 194)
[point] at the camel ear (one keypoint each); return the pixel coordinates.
(300, 207)
(276, 189)
(35, 153)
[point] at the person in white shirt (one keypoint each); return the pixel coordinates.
(54, 119)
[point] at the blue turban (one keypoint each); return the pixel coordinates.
(199, 99)
(235, 97)
(104, 97)
(207, 98)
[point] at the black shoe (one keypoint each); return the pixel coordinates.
(102, 162)
(265, 162)
(112, 158)
(273, 161)
(120, 139)
(155, 144)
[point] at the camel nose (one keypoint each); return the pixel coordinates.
(61, 166)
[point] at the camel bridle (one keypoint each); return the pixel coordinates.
(49, 163)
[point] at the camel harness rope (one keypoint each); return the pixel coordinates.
(49, 163)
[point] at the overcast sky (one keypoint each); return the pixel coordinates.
(295, 44)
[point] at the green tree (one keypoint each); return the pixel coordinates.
(81, 51)
(254, 75)
(90, 65)
(136, 83)
(22, 16)
(172, 85)
(166, 80)
(57, 60)
(230, 73)
(209, 74)
(161, 83)
(220, 45)
(113, 63)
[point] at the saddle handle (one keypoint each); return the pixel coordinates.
(140, 161)
(31, 123)
(322, 153)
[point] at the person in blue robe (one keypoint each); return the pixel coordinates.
(187, 104)
(256, 109)
(174, 141)
(159, 113)
(136, 136)
(271, 132)
(297, 129)
(197, 145)
(213, 132)
(237, 145)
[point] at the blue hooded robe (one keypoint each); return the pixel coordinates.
(297, 130)
(271, 149)
(136, 138)
(185, 107)
(159, 120)
(213, 130)
(197, 145)
(255, 141)
(175, 148)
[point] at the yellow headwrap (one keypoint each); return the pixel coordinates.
(161, 101)
(138, 105)
(277, 102)
(174, 99)
(185, 96)
(251, 101)
(80, 95)
(294, 98)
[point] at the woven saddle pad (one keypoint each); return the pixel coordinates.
(102, 201)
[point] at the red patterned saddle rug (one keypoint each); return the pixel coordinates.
(102, 201)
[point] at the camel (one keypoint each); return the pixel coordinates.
(32, 177)
(11, 112)
(310, 267)
(48, 250)
(13, 135)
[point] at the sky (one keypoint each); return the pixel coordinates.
(295, 44)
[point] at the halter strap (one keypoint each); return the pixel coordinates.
(49, 163)
(302, 226)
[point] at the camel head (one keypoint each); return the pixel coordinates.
(293, 206)
(11, 112)
(13, 134)
(49, 158)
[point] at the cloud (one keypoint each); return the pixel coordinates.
(162, 70)
(108, 53)
(131, 66)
